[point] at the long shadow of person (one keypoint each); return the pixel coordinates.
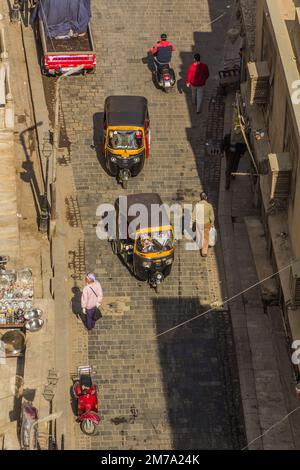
(181, 86)
(149, 61)
(76, 304)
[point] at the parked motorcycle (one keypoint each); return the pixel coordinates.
(85, 393)
(29, 416)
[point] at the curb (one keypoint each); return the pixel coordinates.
(61, 349)
(237, 311)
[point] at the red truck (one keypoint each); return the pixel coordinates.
(61, 53)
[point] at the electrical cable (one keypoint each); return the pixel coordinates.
(225, 301)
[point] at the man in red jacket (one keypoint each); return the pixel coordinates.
(162, 50)
(196, 78)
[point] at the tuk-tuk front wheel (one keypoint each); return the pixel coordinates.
(124, 176)
(43, 68)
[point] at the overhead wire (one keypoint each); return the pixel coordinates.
(240, 117)
(225, 301)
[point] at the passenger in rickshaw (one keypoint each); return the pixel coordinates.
(139, 139)
(135, 140)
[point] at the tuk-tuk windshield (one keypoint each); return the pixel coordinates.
(155, 242)
(131, 140)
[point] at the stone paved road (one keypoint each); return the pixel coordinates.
(179, 391)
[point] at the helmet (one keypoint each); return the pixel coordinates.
(163, 36)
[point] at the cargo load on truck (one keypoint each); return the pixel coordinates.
(65, 34)
(64, 19)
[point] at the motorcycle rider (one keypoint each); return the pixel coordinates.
(85, 387)
(162, 51)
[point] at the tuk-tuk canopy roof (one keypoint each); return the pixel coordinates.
(125, 110)
(151, 216)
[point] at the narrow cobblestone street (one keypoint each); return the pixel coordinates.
(181, 390)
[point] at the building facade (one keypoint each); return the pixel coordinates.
(270, 97)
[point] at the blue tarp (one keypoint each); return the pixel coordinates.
(62, 16)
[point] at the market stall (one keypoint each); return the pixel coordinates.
(16, 299)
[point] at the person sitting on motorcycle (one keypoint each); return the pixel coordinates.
(86, 386)
(162, 51)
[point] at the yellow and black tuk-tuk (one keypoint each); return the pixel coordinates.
(126, 135)
(144, 237)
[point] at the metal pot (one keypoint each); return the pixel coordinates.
(14, 342)
(34, 313)
(34, 325)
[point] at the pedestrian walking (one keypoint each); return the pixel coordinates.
(204, 222)
(233, 154)
(91, 299)
(196, 78)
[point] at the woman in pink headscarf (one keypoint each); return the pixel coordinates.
(91, 299)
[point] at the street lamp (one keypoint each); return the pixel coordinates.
(55, 145)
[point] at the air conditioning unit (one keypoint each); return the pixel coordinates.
(295, 282)
(280, 171)
(258, 82)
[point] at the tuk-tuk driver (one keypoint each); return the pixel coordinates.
(146, 243)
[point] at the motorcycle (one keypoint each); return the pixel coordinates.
(164, 76)
(29, 416)
(85, 392)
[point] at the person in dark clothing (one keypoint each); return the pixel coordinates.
(162, 51)
(233, 154)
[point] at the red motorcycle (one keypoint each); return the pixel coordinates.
(85, 393)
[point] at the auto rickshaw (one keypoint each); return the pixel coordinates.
(145, 240)
(126, 136)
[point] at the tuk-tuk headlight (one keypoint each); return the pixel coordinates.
(169, 261)
(113, 159)
(146, 264)
(136, 159)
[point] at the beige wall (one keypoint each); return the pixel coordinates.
(276, 114)
(260, 5)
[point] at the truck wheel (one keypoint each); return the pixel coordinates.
(43, 69)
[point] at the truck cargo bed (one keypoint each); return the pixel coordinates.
(74, 44)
